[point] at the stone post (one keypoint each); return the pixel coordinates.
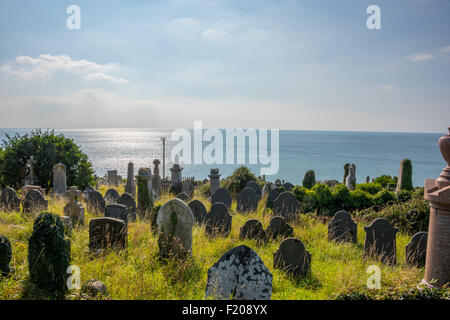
(176, 181)
(144, 186)
(214, 181)
(156, 183)
(130, 187)
(59, 179)
(437, 265)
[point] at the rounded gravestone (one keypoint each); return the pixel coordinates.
(95, 202)
(218, 220)
(255, 186)
(5, 256)
(222, 195)
(416, 250)
(127, 200)
(175, 221)
(342, 228)
(183, 196)
(117, 211)
(272, 196)
(247, 200)
(287, 206)
(112, 196)
(267, 188)
(240, 274)
(34, 202)
(278, 227)
(252, 229)
(380, 242)
(9, 200)
(198, 210)
(293, 258)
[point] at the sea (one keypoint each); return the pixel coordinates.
(325, 152)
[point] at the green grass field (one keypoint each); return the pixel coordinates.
(137, 273)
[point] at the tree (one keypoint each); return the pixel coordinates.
(48, 149)
(238, 180)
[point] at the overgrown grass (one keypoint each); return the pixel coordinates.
(137, 273)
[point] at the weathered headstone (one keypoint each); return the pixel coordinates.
(28, 187)
(342, 228)
(128, 201)
(9, 200)
(381, 241)
(255, 186)
(218, 221)
(67, 224)
(59, 179)
(287, 206)
(30, 179)
(404, 181)
(130, 186)
(34, 202)
(156, 178)
(95, 202)
(240, 274)
(176, 180)
(416, 250)
(112, 178)
(252, 229)
(49, 255)
(175, 221)
(214, 180)
(273, 194)
(5, 256)
(112, 196)
(267, 188)
(144, 189)
(198, 210)
(107, 233)
(222, 195)
(117, 211)
(74, 209)
(278, 227)
(293, 258)
(350, 180)
(183, 196)
(247, 200)
(188, 186)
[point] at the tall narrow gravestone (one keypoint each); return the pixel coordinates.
(59, 179)
(144, 189)
(130, 187)
(293, 258)
(5, 256)
(156, 178)
(240, 274)
(342, 228)
(112, 178)
(380, 241)
(214, 180)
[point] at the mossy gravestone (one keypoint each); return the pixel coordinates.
(5, 256)
(175, 221)
(405, 176)
(342, 228)
(49, 255)
(144, 196)
(9, 200)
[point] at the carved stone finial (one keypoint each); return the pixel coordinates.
(444, 146)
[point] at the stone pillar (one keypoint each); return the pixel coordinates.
(176, 181)
(156, 183)
(59, 179)
(130, 187)
(214, 181)
(144, 192)
(405, 176)
(112, 178)
(350, 180)
(437, 266)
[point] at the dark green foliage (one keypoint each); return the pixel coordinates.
(404, 195)
(406, 183)
(205, 190)
(384, 180)
(346, 166)
(309, 180)
(48, 149)
(371, 187)
(49, 255)
(342, 198)
(360, 199)
(238, 180)
(402, 293)
(5, 256)
(383, 197)
(324, 197)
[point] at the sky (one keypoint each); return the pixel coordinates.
(299, 65)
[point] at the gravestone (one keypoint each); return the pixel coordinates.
(198, 210)
(218, 220)
(145, 193)
(59, 179)
(278, 227)
(188, 186)
(117, 211)
(255, 186)
(5, 256)
(350, 180)
(239, 274)
(222, 195)
(247, 200)
(87, 192)
(416, 250)
(128, 201)
(289, 186)
(267, 188)
(183, 196)
(214, 180)
(112, 196)
(381, 241)
(106, 233)
(30, 178)
(74, 209)
(27, 188)
(176, 178)
(175, 221)
(287, 206)
(130, 186)
(9, 200)
(293, 258)
(34, 202)
(67, 224)
(252, 229)
(49, 255)
(112, 178)
(95, 202)
(156, 178)
(273, 194)
(342, 228)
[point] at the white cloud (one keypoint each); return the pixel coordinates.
(45, 67)
(420, 57)
(445, 49)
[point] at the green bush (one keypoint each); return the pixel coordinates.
(383, 197)
(309, 180)
(324, 197)
(48, 149)
(384, 180)
(360, 199)
(371, 187)
(205, 190)
(401, 293)
(238, 180)
(342, 198)
(404, 195)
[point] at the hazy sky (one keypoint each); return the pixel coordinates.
(307, 65)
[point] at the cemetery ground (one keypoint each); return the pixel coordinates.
(138, 273)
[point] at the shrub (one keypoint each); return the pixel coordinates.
(309, 203)
(205, 190)
(324, 197)
(404, 195)
(384, 180)
(360, 199)
(309, 180)
(48, 149)
(371, 187)
(402, 293)
(384, 196)
(299, 192)
(342, 198)
(237, 181)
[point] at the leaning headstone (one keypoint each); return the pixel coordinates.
(273, 194)
(380, 241)
(218, 221)
(9, 200)
(95, 202)
(342, 228)
(112, 178)
(252, 229)
(175, 221)
(255, 186)
(222, 195)
(49, 255)
(247, 200)
(240, 274)
(293, 258)
(214, 180)
(59, 179)
(278, 227)
(287, 206)
(416, 250)
(107, 233)
(183, 196)
(34, 202)
(130, 186)
(74, 209)
(5, 256)
(112, 196)
(128, 201)
(198, 210)
(117, 211)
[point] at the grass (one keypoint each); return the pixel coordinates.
(137, 273)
